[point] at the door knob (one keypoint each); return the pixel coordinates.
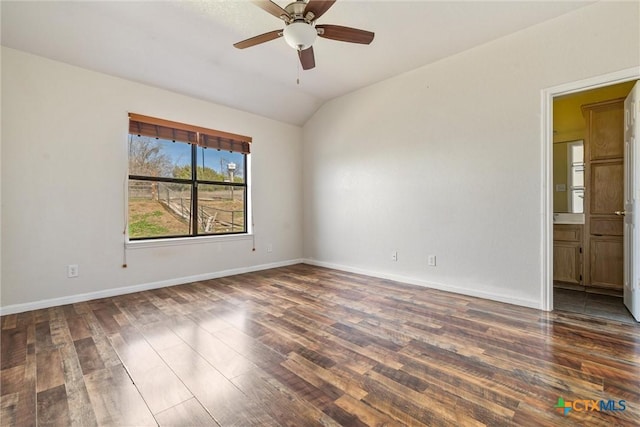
(620, 213)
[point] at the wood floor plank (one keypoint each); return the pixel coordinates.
(12, 380)
(53, 408)
(8, 409)
(9, 321)
(88, 355)
(43, 341)
(186, 414)
(159, 335)
(209, 320)
(49, 370)
(79, 405)
(78, 327)
(105, 350)
(156, 382)
(466, 388)
(222, 357)
(115, 399)
(13, 351)
(221, 398)
(345, 381)
(280, 402)
(81, 411)
(25, 408)
(317, 384)
(366, 414)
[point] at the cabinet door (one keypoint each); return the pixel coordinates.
(566, 263)
(606, 262)
(606, 131)
(607, 185)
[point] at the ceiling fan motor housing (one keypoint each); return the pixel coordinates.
(296, 12)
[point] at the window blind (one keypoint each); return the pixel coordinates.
(175, 131)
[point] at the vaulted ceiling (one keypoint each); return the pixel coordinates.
(187, 46)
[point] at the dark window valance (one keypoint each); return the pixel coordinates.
(175, 131)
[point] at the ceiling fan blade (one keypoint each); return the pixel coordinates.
(307, 59)
(271, 35)
(318, 7)
(272, 8)
(345, 34)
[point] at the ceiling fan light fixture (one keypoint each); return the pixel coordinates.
(300, 35)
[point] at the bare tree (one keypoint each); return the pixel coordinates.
(146, 158)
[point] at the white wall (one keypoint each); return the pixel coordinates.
(64, 162)
(447, 159)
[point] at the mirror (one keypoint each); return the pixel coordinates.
(568, 177)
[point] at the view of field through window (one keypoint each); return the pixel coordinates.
(160, 205)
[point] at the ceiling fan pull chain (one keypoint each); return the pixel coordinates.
(298, 68)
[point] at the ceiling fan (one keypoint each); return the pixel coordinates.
(300, 29)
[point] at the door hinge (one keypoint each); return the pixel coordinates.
(580, 249)
(581, 278)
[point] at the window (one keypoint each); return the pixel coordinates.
(185, 180)
(576, 177)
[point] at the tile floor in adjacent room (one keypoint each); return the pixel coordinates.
(606, 306)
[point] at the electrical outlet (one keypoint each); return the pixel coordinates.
(394, 256)
(72, 270)
(431, 260)
(269, 247)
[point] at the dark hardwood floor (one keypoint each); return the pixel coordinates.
(304, 346)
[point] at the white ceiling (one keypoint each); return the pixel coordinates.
(186, 46)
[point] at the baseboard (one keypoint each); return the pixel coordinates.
(419, 282)
(72, 299)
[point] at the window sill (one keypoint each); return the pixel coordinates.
(159, 243)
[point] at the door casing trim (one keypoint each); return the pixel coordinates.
(546, 99)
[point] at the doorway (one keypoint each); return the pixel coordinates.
(574, 297)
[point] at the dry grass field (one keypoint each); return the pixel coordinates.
(151, 218)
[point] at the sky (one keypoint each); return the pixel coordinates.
(180, 155)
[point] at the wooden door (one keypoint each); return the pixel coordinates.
(604, 167)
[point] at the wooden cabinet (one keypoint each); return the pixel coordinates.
(606, 259)
(604, 170)
(567, 255)
(605, 129)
